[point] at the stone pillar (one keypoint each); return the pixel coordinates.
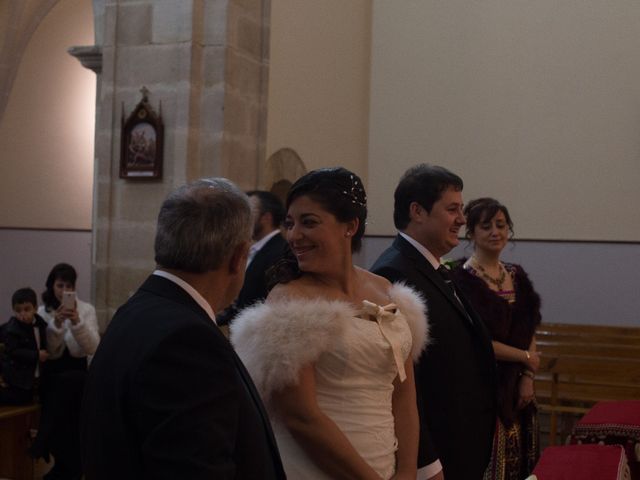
(245, 96)
(205, 61)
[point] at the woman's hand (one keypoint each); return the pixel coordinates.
(532, 361)
(72, 314)
(526, 392)
(59, 316)
(63, 313)
(43, 355)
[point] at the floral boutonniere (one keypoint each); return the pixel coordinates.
(449, 264)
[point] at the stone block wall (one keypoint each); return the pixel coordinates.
(246, 81)
(205, 62)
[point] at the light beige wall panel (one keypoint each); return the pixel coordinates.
(46, 133)
(319, 81)
(535, 103)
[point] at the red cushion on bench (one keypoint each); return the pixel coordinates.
(625, 412)
(582, 462)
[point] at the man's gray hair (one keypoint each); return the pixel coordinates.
(201, 224)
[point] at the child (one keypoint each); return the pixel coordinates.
(25, 339)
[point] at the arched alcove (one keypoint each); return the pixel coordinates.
(282, 169)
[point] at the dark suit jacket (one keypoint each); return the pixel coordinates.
(254, 287)
(22, 355)
(455, 377)
(167, 397)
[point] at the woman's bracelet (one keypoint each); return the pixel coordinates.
(528, 373)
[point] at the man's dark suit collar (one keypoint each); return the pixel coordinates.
(424, 266)
(166, 288)
(273, 241)
(277, 241)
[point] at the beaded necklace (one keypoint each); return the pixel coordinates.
(498, 282)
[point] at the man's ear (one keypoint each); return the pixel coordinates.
(416, 211)
(268, 218)
(238, 259)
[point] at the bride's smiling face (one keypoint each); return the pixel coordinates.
(317, 239)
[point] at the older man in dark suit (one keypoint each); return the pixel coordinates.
(166, 395)
(268, 247)
(455, 378)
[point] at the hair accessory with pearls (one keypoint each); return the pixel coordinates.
(356, 193)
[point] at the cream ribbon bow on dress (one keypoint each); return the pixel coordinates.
(383, 316)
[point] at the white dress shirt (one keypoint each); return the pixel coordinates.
(190, 290)
(257, 246)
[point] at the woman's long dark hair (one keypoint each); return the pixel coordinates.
(64, 272)
(341, 193)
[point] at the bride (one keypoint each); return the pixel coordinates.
(332, 348)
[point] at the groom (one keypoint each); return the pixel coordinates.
(455, 377)
(166, 396)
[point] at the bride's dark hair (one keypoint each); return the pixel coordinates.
(341, 193)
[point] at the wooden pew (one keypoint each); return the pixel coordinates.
(573, 386)
(573, 383)
(601, 330)
(601, 338)
(16, 423)
(554, 348)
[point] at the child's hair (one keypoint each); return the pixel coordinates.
(24, 295)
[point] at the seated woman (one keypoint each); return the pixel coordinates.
(72, 338)
(505, 299)
(332, 348)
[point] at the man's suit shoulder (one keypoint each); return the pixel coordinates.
(148, 321)
(273, 249)
(393, 265)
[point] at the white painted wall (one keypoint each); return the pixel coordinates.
(319, 81)
(47, 130)
(535, 103)
(578, 282)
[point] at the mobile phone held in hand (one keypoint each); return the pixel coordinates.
(69, 300)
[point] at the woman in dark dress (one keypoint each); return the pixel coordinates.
(503, 296)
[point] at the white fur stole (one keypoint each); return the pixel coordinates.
(414, 308)
(275, 340)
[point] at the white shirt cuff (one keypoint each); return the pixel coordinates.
(429, 470)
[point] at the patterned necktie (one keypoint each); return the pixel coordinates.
(446, 276)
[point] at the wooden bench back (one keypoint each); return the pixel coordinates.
(584, 364)
(583, 329)
(554, 348)
(592, 338)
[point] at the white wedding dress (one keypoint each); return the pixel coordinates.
(357, 355)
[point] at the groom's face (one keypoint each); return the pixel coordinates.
(440, 228)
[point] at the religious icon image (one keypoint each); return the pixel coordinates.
(142, 135)
(141, 150)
